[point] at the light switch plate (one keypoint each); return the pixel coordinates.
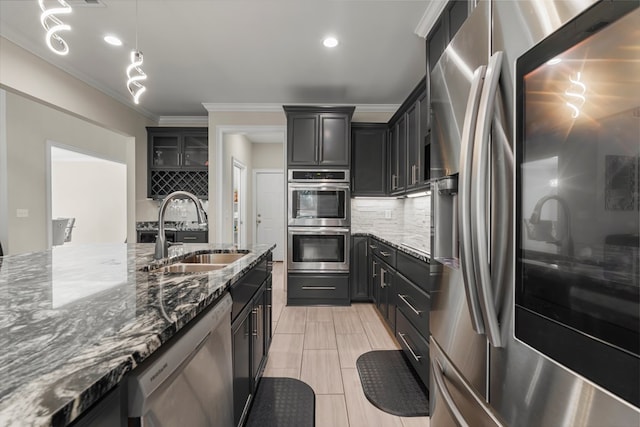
(22, 213)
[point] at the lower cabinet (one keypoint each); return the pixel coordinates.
(386, 300)
(317, 289)
(250, 335)
(358, 267)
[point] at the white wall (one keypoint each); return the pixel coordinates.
(97, 201)
(240, 148)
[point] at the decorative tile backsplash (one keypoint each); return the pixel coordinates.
(410, 217)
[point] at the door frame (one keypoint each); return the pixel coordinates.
(242, 201)
(218, 149)
(255, 205)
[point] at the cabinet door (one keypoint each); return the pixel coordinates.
(241, 333)
(257, 335)
(368, 159)
(195, 150)
(399, 157)
(378, 290)
(302, 139)
(413, 145)
(424, 140)
(359, 280)
(268, 315)
(390, 288)
(164, 149)
(334, 140)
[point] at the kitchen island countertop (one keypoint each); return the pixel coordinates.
(76, 319)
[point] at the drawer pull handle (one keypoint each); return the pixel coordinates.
(385, 254)
(404, 298)
(319, 288)
(373, 246)
(189, 238)
(415, 356)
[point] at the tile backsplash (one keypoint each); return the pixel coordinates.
(410, 217)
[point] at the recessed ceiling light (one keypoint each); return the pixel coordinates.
(113, 40)
(330, 42)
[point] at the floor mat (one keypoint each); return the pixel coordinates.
(282, 402)
(391, 384)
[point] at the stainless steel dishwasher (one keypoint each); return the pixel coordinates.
(190, 383)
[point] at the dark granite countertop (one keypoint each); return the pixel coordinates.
(76, 319)
(404, 243)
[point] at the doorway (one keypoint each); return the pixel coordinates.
(92, 209)
(269, 209)
(238, 220)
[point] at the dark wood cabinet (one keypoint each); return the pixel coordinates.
(242, 378)
(408, 130)
(318, 136)
(250, 334)
(360, 290)
(177, 159)
(369, 159)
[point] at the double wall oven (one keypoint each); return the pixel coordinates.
(318, 220)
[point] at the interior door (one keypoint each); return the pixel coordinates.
(269, 211)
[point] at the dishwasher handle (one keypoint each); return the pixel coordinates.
(145, 383)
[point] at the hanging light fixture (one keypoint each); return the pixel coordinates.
(135, 75)
(53, 25)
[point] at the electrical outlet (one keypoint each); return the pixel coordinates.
(387, 214)
(22, 213)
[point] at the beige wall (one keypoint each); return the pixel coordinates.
(236, 147)
(268, 156)
(29, 126)
(26, 74)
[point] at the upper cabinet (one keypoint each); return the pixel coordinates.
(177, 159)
(369, 159)
(409, 144)
(318, 136)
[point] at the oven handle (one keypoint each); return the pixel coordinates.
(318, 230)
(319, 186)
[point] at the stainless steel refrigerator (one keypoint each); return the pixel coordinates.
(534, 317)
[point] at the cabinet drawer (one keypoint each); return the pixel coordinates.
(414, 304)
(385, 252)
(193, 236)
(303, 289)
(415, 347)
(415, 270)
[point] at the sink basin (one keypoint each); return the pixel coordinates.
(188, 268)
(216, 258)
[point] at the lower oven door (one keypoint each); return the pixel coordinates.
(317, 249)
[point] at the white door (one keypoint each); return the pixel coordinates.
(269, 212)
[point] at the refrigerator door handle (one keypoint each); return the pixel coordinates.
(438, 376)
(479, 196)
(464, 199)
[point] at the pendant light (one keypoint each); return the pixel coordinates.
(135, 75)
(53, 25)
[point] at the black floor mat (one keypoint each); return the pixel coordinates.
(391, 384)
(282, 402)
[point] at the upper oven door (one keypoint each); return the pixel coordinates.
(324, 205)
(317, 249)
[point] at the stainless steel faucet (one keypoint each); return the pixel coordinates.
(162, 247)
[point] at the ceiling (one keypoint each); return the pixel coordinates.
(240, 52)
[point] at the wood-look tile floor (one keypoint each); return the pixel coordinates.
(320, 346)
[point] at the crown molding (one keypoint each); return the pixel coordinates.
(183, 121)
(277, 107)
(429, 18)
(22, 43)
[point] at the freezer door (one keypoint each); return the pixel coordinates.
(454, 402)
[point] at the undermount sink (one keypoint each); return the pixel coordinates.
(215, 258)
(188, 268)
